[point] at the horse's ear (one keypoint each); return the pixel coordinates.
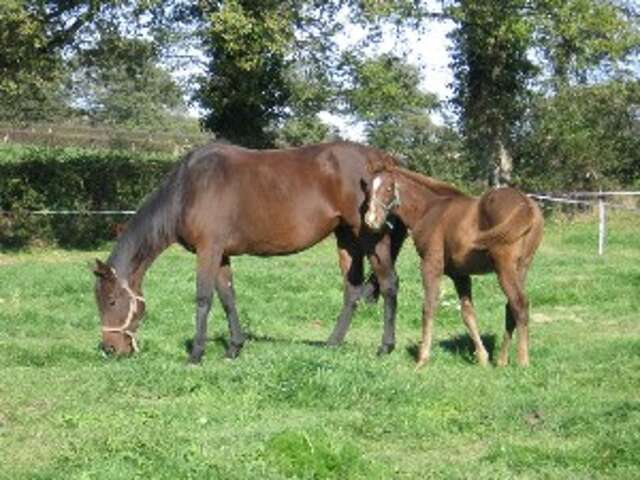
(101, 269)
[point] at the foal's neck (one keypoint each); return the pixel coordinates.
(419, 194)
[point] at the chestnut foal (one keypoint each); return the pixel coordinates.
(459, 236)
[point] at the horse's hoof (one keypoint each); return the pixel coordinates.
(232, 352)
(333, 342)
(194, 360)
(385, 349)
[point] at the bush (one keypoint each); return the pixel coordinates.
(33, 178)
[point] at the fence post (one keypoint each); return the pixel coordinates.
(602, 229)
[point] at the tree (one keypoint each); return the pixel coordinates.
(588, 136)
(33, 35)
(491, 71)
(118, 81)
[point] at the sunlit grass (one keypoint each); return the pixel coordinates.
(287, 408)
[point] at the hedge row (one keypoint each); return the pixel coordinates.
(33, 178)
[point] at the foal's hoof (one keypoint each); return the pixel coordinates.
(233, 351)
(385, 349)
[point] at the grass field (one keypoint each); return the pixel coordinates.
(289, 409)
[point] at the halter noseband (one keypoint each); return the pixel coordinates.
(133, 308)
(395, 202)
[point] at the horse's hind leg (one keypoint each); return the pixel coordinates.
(381, 261)
(224, 287)
(516, 315)
(463, 287)
(208, 267)
(351, 265)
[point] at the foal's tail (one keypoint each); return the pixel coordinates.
(517, 224)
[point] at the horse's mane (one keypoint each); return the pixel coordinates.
(436, 186)
(154, 224)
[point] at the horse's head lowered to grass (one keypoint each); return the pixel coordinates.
(120, 308)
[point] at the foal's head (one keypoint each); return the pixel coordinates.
(384, 198)
(120, 310)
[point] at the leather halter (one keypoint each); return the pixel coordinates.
(133, 308)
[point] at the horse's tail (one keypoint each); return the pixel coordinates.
(517, 224)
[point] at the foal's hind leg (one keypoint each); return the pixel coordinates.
(351, 265)
(516, 314)
(431, 275)
(208, 267)
(463, 287)
(224, 287)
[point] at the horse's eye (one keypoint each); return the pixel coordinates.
(112, 301)
(388, 189)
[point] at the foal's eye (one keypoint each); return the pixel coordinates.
(112, 301)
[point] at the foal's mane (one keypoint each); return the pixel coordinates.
(436, 186)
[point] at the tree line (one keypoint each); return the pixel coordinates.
(546, 93)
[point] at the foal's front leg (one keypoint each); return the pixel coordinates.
(431, 275)
(208, 267)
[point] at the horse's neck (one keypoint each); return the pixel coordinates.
(131, 258)
(415, 201)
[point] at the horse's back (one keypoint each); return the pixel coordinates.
(274, 201)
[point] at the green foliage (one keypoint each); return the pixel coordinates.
(303, 130)
(30, 76)
(246, 90)
(587, 136)
(289, 409)
(71, 179)
(119, 82)
(579, 37)
(385, 95)
(491, 71)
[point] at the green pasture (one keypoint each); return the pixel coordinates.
(289, 408)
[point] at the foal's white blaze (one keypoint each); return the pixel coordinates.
(371, 216)
(376, 184)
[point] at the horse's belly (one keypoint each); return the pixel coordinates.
(281, 238)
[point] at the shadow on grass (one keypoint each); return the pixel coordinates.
(224, 341)
(461, 345)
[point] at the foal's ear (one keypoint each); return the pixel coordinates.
(381, 163)
(101, 269)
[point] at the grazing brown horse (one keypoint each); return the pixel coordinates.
(222, 200)
(459, 236)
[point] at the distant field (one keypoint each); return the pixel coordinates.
(289, 409)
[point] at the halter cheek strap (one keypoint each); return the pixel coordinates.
(133, 308)
(395, 202)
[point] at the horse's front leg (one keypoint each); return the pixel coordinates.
(208, 267)
(226, 292)
(431, 275)
(397, 235)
